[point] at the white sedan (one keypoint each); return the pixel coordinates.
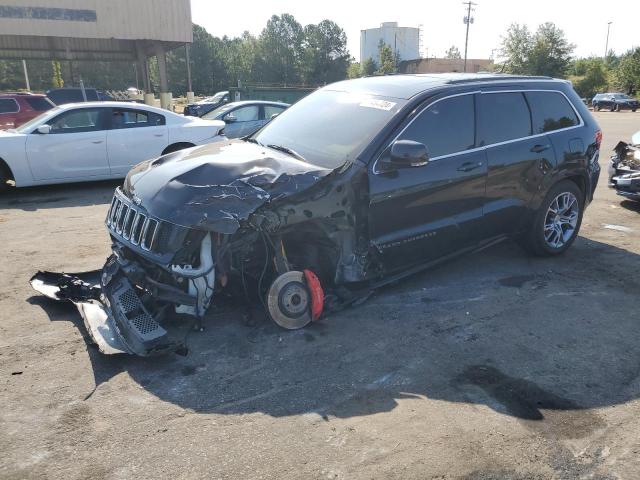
(95, 141)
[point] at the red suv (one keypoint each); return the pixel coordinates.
(19, 108)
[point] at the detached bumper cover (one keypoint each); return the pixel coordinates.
(113, 313)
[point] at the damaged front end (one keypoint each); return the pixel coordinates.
(624, 168)
(194, 225)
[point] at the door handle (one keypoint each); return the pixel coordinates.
(97, 141)
(540, 148)
(468, 166)
(158, 134)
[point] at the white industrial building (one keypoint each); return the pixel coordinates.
(405, 41)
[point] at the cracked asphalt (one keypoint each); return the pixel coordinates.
(494, 366)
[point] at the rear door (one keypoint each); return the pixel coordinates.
(135, 135)
(418, 214)
(76, 146)
(517, 159)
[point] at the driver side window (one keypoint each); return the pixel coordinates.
(76, 121)
(246, 114)
(445, 127)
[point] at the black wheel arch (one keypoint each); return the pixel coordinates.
(5, 170)
(174, 147)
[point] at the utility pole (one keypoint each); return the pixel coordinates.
(467, 21)
(606, 45)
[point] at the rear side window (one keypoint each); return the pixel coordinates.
(503, 117)
(445, 127)
(8, 105)
(39, 104)
(124, 118)
(270, 110)
(550, 111)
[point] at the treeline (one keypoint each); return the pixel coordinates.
(285, 52)
(548, 52)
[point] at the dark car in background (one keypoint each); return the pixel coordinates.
(355, 186)
(198, 109)
(62, 96)
(614, 102)
(244, 118)
(19, 108)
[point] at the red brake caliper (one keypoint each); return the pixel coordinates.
(317, 294)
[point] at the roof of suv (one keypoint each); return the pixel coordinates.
(408, 85)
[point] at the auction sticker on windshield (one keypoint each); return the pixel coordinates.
(379, 104)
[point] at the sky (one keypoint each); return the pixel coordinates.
(584, 22)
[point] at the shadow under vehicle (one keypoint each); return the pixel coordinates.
(357, 185)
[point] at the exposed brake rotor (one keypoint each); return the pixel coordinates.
(289, 301)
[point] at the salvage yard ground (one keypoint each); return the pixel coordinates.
(495, 366)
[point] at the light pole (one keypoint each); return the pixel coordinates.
(467, 20)
(606, 45)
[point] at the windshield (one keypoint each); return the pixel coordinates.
(31, 124)
(213, 114)
(330, 128)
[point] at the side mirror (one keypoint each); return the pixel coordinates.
(407, 153)
(230, 118)
(44, 129)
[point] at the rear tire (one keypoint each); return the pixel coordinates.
(557, 222)
(4, 179)
(597, 107)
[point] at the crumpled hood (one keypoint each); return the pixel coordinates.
(216, 186)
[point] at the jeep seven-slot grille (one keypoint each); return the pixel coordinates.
(132, 224)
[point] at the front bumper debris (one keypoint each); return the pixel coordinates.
(624, 171)
(114, 316)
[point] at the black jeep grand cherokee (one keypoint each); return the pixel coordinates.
(358, 184)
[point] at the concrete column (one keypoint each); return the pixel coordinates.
(165, 96)
(190, 95)
(150, 99)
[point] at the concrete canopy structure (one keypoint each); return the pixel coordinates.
(104, 30)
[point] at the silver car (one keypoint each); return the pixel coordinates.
(244, 118)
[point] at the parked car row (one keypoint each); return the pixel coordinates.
(95, 141)
(614, 102)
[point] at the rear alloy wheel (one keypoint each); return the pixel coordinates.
(557, 221)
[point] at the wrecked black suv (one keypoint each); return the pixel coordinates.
(358, 184)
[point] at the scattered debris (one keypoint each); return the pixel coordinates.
(618, 228)
(624, 168)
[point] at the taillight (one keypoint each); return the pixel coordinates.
(598, 138)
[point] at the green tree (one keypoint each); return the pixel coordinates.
(515, 48)
(325, 56)
(57, 80)
(387, 59)
(550, 53)
(354, 70)
(589, 76)
(452, 53)
(546, 53)
(626, 75)
(368, 67)
(280, 50)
